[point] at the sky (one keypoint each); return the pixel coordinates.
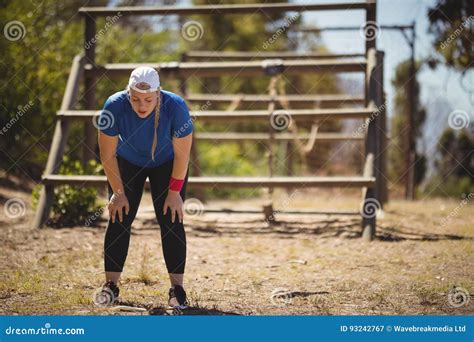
(441, 92)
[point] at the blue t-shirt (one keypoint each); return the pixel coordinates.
(136, 134)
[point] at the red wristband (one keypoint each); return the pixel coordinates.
(176, 184)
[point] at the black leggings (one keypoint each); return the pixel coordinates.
(117, 236)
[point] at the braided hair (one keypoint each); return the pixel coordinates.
(156, 121)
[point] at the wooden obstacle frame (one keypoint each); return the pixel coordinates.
(84, 68)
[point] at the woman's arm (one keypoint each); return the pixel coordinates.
(108, 147)
(182, 149)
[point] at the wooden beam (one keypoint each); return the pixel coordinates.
(241, 68)
(286, 212)
(330, 99)
(235, 136)
(88, 148)
(371, 26)
(246, 55)
(234, 182)
(239, 115)
(371, 196)
(265, 8)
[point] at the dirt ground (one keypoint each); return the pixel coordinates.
(420, 263)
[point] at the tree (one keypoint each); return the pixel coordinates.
(35, 68)
(399, 137)
(454, 165)
(452, 22)
(456, 156)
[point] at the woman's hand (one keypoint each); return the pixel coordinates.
(117, 203)
(175, 203)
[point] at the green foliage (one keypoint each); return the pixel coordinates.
(399, 137)
(227, 160)
(449, 187)
(454, 165)
(72, 205)
(451, 21)
(36, 67)
(455, 154)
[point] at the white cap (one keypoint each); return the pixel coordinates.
(146, 75)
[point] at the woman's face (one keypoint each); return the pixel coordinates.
(143, 103)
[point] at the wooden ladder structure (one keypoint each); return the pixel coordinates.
(372, 113)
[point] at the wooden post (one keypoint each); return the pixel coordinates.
(289, 158)
(370, 19)
(380, 105)
(383, 153)
(268, 202)
(194, 157)
(372, 195)
(90, 132)
(369, 206)
(271, 129)
(411, 143)
(59, 142)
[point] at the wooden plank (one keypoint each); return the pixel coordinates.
(330, 99)
(246, 55)
(370, 26)
(370, 202)
(380, 123)
(239, 115)
(266, 8)
(286, 212)
(194, 161)
(240, 68)
(88, 147)
(315, 29)
(234, 182)
(234, 136)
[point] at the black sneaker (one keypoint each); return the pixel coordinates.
(107, 295)
(178, 292)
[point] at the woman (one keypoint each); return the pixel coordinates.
(145, 132)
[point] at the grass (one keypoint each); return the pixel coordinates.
(56, 271)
